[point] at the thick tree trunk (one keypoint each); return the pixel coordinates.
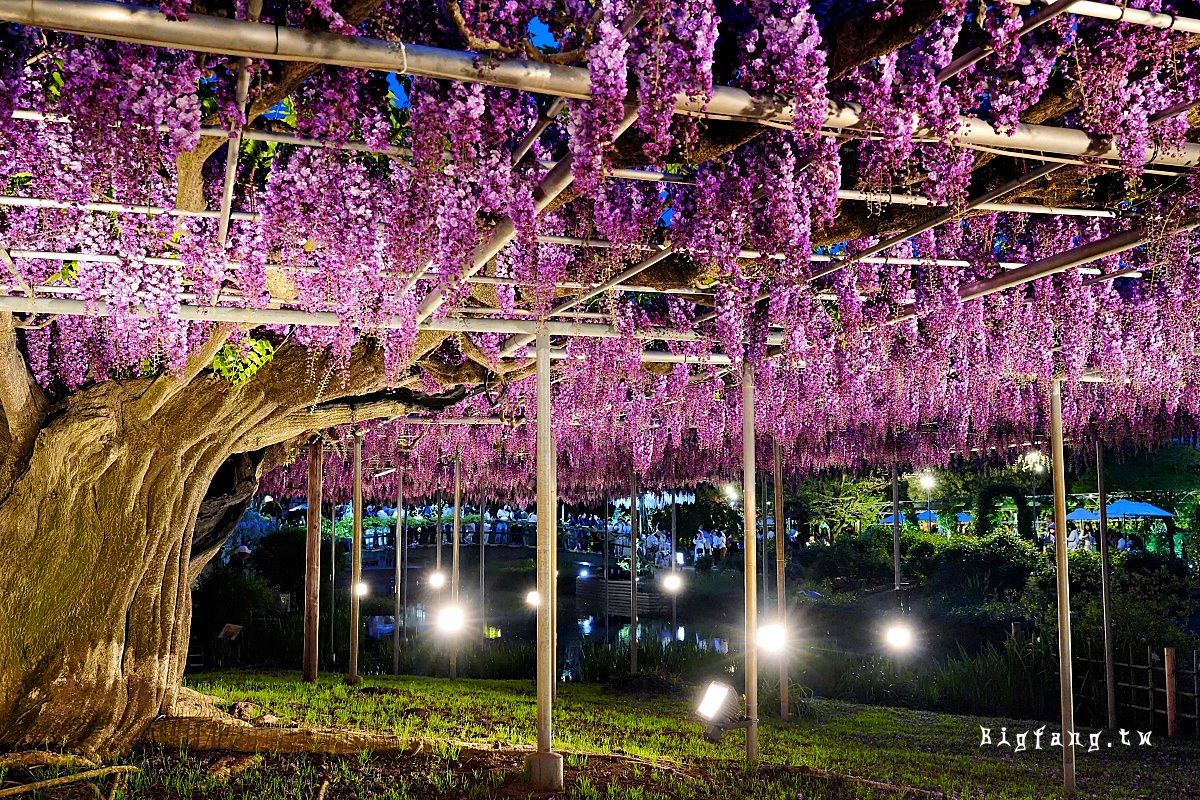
(98, 531)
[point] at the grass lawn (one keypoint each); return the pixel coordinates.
(618, 747)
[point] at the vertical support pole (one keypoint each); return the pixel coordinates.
(333, 586)
(766, 594)
(438, 532)
(607, 598)
(896, 535)
(1065, 669)
(482, 530)
(352, 677)
(398, 607)
(404, 584)
(633, 570)
(456, 532)
(545, 766)
(312, 559)
(553, 562)
(780, 576)
(674, 565)
(750, 552)
(1110, 677)
(1172, 697)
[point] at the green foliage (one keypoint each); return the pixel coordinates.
(682, 660)
(238, 363)
(985, 508)
(227, 595)
(849, 504)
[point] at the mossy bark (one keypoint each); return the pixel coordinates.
(98, 533)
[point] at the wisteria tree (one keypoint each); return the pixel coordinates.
(357, 214)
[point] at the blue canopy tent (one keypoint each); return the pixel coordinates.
(963, 516)
(924, 516)
(1133, 508)
(1083, 515)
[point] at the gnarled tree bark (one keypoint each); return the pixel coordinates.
(124, 494)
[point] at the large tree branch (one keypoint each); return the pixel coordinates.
(24, 405)
(167, 385)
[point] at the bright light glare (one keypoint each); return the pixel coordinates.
(437, 580)
(583, 573)
(714, 700)
(928, 482)
(731, 491)
(362, 588)
(772, 638)
(679, 559)
(899, 636)
(450, 619)
(672, 582)
(533, 598)
(267, 498)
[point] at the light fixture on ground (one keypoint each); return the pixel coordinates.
(721, 709)
(437, 580)
(672, 582)
(899, 636)
(451, 619)
(772, 638)
(533, 598)
(362, 589)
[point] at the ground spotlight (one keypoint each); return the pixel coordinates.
(583, 573)
(533, 598)
(772, 637)
(450, 619)
(362, 588)
(721, 709)
(898, 636)
(437, 580)
(672, 582)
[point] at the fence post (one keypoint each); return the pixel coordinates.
(1150, 683)
(1169, 683)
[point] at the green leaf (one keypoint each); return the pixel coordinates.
(238, 363)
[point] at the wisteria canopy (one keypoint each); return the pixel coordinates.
(859, 266)
(227, 226)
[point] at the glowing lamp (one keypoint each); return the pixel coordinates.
(450, 619)
(772, 638)
(898, 637)
(437, 580)
(721, 709)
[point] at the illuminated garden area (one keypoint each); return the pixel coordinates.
(599, 398)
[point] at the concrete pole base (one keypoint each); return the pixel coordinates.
(545, 771)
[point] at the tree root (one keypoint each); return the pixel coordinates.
(200, 733)
(229, 766)
(44, 758)
(88, 775)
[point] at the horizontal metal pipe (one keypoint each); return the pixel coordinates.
(204, 33)
(284, 316)
(1135, 16)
